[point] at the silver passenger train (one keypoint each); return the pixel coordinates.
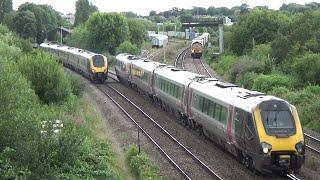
(262, 131)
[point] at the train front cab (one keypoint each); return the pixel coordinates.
(99, 68)
(281, 142)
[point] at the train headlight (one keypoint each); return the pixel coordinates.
(300, 147)
(266, 147)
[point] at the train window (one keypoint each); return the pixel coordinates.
(212, 108)
(217, 112)
(200, 103)
(98, 61)
(278, 122)
(223, 116)
(179, 91)
(251, 131)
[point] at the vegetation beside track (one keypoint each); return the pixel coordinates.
(141, 165)
(35, 92)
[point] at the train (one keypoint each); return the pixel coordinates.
(91, 65)
(198, 44)
(262, 131)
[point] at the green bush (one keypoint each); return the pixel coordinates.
(77, 85)
(49, 81)
(307, 68)
(246, 80)
(265, 83)
(261, 52)
(141, 165)
(246, 64)
(127, 47)
(225, 65)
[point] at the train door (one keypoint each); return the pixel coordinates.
(239, 119)
(250, 135)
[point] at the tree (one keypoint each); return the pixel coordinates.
(307, 68)
(280, 48)
(9, 19)
(46, 18)
(186, 17)
(152, 13)
(107, 31)
(5, 7)
(138, 31)
(83, 10)
(25, 24)
(259, 26)
(127, 47)
(244, 8)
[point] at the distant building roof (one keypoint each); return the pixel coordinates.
(51, 34)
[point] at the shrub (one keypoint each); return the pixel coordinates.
(48, 79)
(225, 64)
(307, 68)
(266, 83)
(246, 64)
(261, 52)
(281, 92)
(246, 80)
(77, 85)
(127, 47)
(141, 165)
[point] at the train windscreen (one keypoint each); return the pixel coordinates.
(277, 118)
(98, 61)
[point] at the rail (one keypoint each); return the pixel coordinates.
(292, 176)
(181, 56)
(314, 139)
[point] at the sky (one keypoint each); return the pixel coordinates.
(143, 7)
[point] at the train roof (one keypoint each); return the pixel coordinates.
(181, 77)
(147, 64)
(232, 94)
(73, 50)
(126, 57)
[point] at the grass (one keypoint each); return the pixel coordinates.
(87, 115)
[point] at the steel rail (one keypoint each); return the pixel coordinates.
(314, 139)
(205, 67)
(292, 176)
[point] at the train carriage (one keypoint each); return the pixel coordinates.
(141, 74)
(261, 130)
(123, 66)
(171, 91)
(93, 66)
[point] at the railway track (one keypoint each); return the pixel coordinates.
(313, 143)
(201, 68)
(179, 61)
(184, 60)
(188, 164)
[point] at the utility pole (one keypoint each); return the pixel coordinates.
(221, 49)
(61, 33)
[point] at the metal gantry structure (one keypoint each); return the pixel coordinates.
(216, 22)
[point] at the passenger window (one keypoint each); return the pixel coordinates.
(224, 113)
(211, 109)
(251, 131)
(217, 112)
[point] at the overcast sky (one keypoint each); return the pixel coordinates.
(143, 7)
